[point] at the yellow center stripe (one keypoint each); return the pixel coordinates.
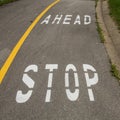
(16, 49)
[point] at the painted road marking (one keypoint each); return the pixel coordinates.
(90, 81)
(51, 68)
(16, 49)
(29, 82)
(67, 19)
(72, 96)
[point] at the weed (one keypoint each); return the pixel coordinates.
(115, 72)
(2, 2)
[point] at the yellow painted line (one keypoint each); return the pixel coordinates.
(16, 49)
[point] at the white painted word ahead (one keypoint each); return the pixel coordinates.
(67, 19)
(72, 96)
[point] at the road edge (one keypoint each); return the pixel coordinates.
(109, 45)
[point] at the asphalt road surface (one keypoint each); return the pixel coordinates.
(62, 70)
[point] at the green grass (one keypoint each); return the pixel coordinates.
(2, 2)
(100, 33)
(114, 6)
(96, 3)
(115, 72)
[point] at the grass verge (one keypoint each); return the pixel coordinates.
(114, 6)
(2, 2)
(115, 72)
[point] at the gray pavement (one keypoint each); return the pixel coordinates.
(66, 48)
